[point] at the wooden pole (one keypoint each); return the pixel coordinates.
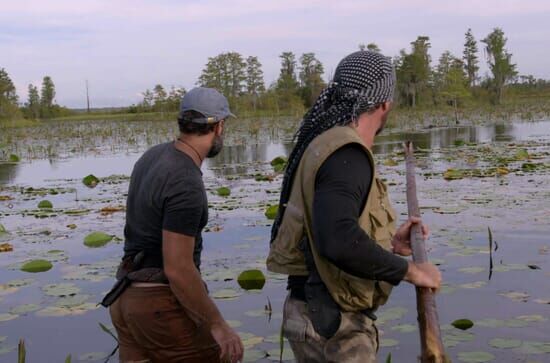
(432, 350)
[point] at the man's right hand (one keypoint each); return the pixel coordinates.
(424, 275)
(231, 347)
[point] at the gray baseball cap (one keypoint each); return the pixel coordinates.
(207, 101)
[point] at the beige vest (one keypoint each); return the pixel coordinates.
(377, 219)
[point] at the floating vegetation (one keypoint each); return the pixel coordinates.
(251, 280)
(8, 316)
(462, 324)
(90, 181)
(475, 357)
(37, 266)
(388, 342)
(226, 294)
(97, 239)
(6, 247)
(14, 158)
(279, 164)
(453, 338)
(271, 212)
(45, 204)
(60, 290)
(223, 192)
(458, 210)
(502, 343)
(390, 314)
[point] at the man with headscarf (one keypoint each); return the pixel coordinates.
(335, 232)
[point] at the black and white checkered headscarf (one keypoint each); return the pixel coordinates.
(362, 81)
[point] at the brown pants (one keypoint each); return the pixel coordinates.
(356, 340)
(153, 327)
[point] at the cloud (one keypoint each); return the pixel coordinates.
(126, 46)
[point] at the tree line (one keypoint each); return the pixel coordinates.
(40, 104)
(453, 80)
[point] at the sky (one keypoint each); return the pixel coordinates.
(123, 47)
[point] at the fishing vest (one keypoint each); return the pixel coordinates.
(377, 219)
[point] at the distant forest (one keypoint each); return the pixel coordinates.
(453, 80)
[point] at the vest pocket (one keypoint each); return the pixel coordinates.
(285, 255)
(380, 220)
(356, 292)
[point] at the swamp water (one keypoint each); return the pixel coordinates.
(469, 179)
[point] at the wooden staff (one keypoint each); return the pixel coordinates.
(428, 321)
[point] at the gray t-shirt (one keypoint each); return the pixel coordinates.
(166, 192)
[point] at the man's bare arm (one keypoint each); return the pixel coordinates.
(186, 283)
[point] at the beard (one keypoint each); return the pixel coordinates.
(216, 147)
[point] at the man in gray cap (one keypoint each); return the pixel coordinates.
(335, 235)
(160, 306)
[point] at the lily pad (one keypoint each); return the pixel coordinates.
(535, 347)
(251, 280)
(521, 154)
(473, 285)
(60, 290)
(226, 294)
(462, 324)
(271, 212)
(389, 314)
(472, 270)
(7, 317)
(14, 158)
(234, 323)
(223, 191)
(97, 239)
(35, 266)
(250, 340)
(405, 328)
(515, 295)
(475, 357)
(453, 174)
(454, 337)
(57, 311)
(3, 229)
(45, 204)
(502, 343)
(90, 181)
(23, 309)
(4, 350)
(279, 164)
(388, 343)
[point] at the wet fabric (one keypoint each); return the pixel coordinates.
(152, 325)
(355, 341)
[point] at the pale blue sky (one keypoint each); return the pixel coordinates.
(125, 46)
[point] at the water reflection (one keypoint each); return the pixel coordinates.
(8, 173)
(248, 144)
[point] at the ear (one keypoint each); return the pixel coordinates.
(219, 128)
(386, 106)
